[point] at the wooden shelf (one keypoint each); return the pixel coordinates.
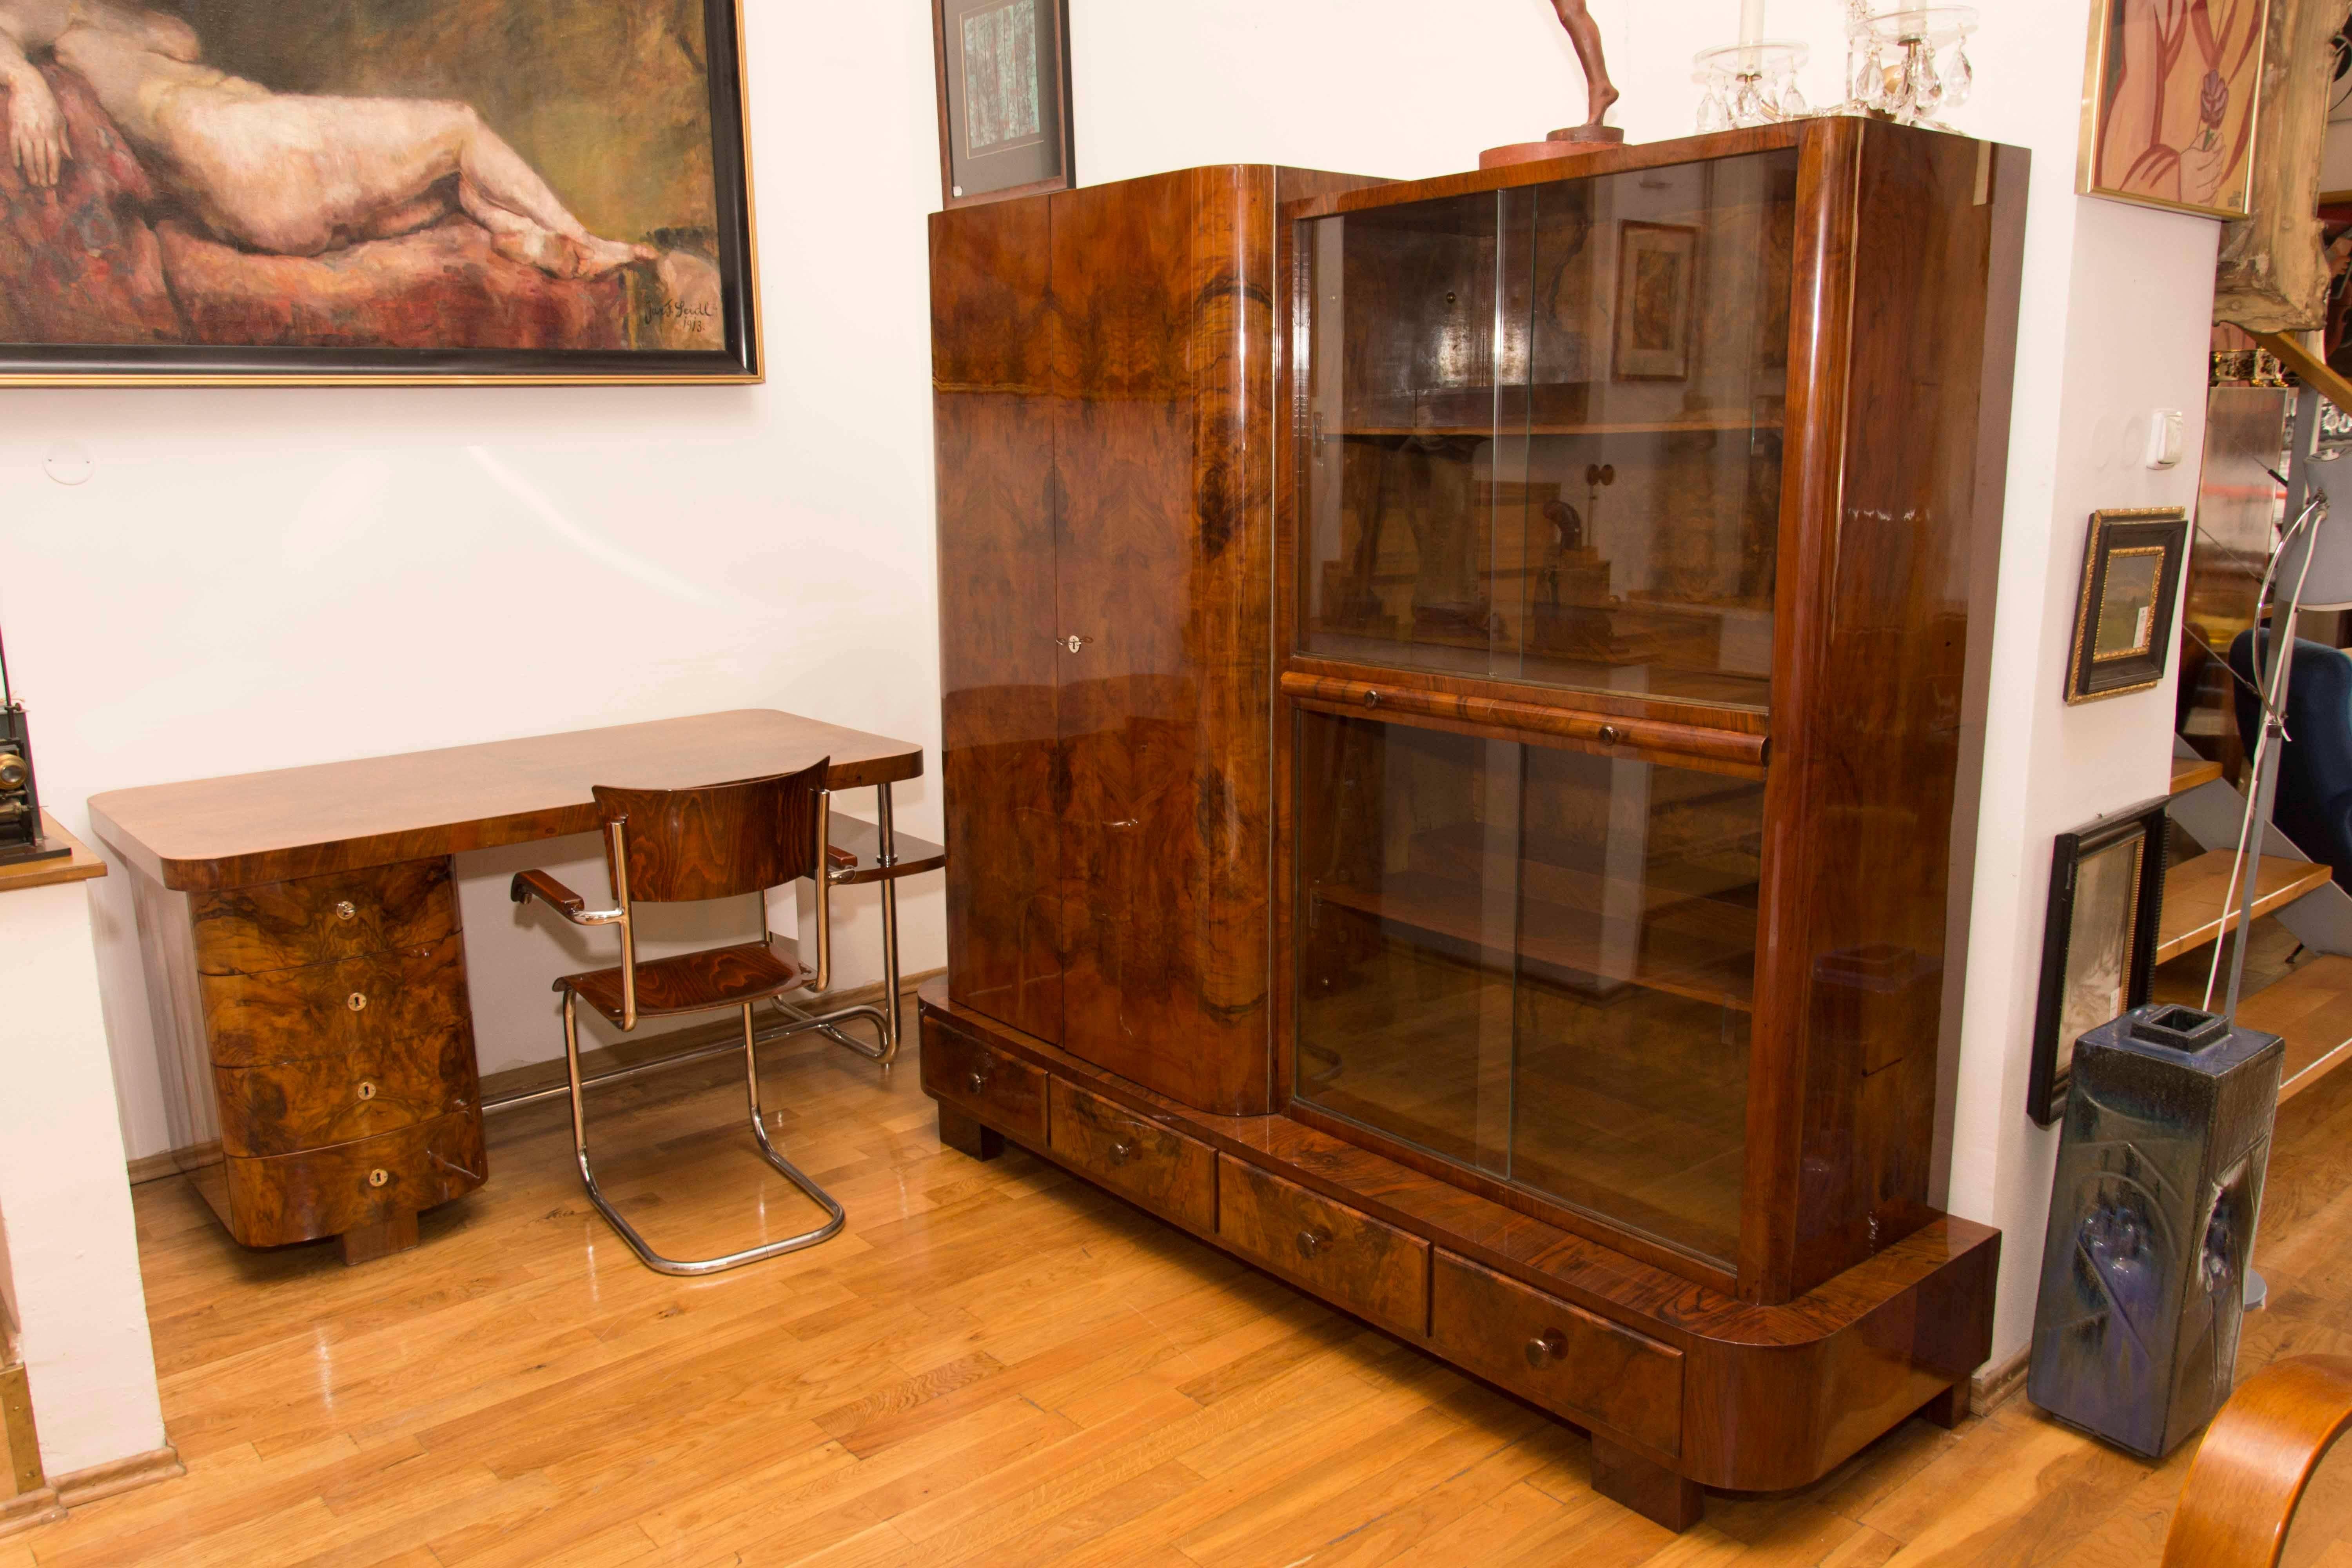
(2189, 772)
(1627, 427)
(1680, 957)
(2195, 892)
(2312, 1008)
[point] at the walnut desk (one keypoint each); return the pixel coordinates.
(306, 967)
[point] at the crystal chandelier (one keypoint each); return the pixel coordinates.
(1909, 63)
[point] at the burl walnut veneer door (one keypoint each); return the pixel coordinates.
(995, 430)
(1163, 330)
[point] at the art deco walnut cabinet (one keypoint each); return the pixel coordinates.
(1455, 696)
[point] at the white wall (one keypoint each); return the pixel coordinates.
(261, 578)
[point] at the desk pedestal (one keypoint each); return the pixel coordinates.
(326, 1080)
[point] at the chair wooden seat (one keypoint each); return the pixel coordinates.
(694, 981)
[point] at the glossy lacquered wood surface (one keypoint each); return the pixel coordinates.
(319, 920)
(1167, 1173)
(697, 982)
(236, 832)
(1773, 1396)
(2256, 1466)
(284, 1198)
(380, 1002)
(996, 1364)
(718, 840)
(1375, 1271)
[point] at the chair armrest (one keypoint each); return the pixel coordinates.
(529, 885)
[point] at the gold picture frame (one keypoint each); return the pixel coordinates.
(2171, 97)
(2124, 618)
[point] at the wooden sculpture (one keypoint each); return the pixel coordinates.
(1600, 93)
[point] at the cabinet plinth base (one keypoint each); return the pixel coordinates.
(1734, 1395)
(1651, 1491)
(960, 1132)
(369, 1242)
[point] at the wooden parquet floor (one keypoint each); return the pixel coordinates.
(992, 1365)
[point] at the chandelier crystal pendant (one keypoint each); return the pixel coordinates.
(1909, 63)
(1753, 82)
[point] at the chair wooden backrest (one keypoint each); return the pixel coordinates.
(2254, 1468)
(721, 841)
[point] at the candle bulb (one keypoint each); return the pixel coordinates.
(1751, 23)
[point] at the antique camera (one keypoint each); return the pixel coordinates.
(20, 804)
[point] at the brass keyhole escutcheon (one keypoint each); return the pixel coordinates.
(347, 911)
(1310, 1242)
(1611, 734)
(379, 1177)
(357, 1002)
(1547, 1348)
(978, 1080)
(367, 1091)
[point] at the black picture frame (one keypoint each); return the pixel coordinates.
(2132, 564)
(1037, 154)
(737, 358)
(2132, 842)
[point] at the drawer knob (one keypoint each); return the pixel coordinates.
(357, 1002)
(1121, 1152)
(347, 911)
(1546, 1349)
(1311, 1242)
(367, 1091)
(977, 1081)
(379, 1177)
(1611, 734)
(1371, 699)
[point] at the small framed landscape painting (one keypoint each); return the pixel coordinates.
(2169, 103)
(2098, 949)
(2131, 586)
(1004, 98)
(215, 191)
(1658, 296)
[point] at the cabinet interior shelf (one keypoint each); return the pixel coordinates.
(1494, 428)
(1698, 948)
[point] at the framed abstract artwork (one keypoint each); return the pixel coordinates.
(2131, 585)
(197, 192)
(1657, 298)
(1003, 69)
(2098, 948)
(2169, 103)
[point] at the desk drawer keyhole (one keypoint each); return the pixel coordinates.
(379, 1177)
(347, 911)
(358, 1003)
(367, 1091)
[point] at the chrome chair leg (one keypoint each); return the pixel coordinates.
(886, 1019)
(653, 1260)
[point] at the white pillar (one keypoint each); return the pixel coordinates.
(72, 1264)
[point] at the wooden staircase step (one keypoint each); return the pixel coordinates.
(2187, 773)
(2312, 1008)
(2197, 892)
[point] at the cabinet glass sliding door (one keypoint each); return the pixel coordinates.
(1535, 964)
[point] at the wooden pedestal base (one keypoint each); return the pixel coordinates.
(1651, 1491)
(369, 1242)
(957, 1130)
(1681, 1386)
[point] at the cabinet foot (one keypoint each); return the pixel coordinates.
(370, 1242)
(1651, 1490)
(957, 1130)
(1949, 1408)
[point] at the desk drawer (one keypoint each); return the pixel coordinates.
(1374, 1270)
(301, 1197)
(1567, 1360)
(388, 1002)
(1006, 1094)
(288, 1107)
(319, 920)
(1163, 1170)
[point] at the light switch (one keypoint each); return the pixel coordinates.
(2167, 438)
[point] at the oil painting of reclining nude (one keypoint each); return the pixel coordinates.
(373, 190)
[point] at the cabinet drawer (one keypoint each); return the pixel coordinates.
(1374, 1270)
(1163, 1170)
(385, 1001)
(1006, 1094)
(317, 919)
(301, 1197)
(1567, 1360)
(288, 1107)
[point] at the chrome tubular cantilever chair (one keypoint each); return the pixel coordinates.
(729, 840)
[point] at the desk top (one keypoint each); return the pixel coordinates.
(81, 866)
(251, 828)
